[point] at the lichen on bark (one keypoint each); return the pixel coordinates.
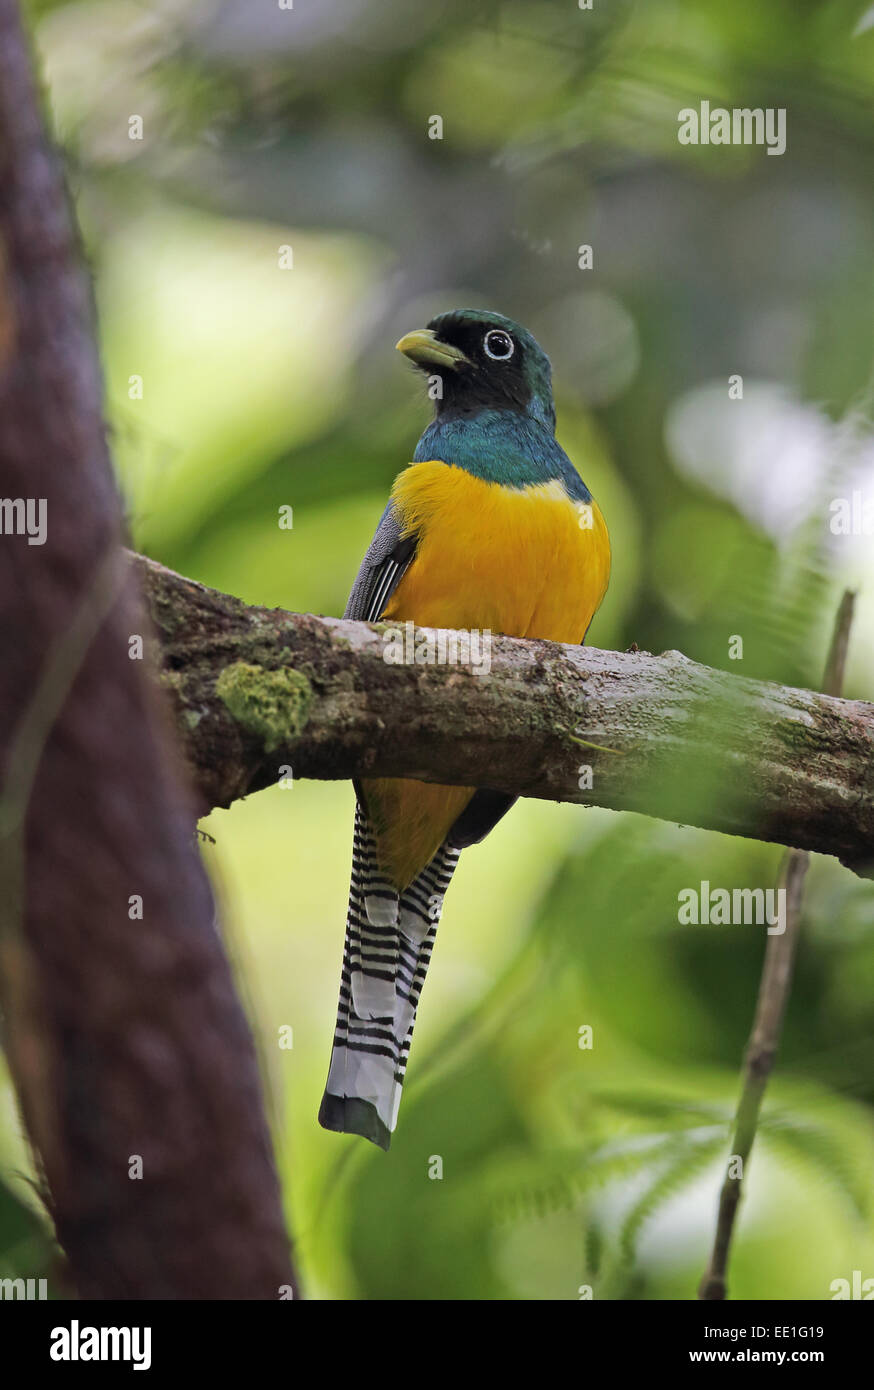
(273, 704)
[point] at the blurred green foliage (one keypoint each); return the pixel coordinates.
(262, 128)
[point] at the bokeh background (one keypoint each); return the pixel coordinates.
(263, 386)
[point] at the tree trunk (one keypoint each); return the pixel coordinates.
(133, 1061)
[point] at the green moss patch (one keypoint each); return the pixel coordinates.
(272, 704)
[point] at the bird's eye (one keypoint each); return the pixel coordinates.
(499, 345)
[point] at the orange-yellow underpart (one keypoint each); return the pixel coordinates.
(526, 562)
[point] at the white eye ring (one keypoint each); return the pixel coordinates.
(505, 341)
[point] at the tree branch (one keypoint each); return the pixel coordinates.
(257, 689)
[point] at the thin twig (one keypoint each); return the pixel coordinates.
(771, 1005)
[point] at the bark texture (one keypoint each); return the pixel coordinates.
(259, 690)
(132, 1058)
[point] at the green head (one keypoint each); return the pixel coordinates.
(485, 362)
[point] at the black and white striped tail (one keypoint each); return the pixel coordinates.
(389, 939)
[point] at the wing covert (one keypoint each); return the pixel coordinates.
(382, 569)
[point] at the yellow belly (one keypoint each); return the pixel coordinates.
(525, 562)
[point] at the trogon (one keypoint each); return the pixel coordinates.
(490, 528)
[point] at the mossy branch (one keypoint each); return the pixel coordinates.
(260, 690)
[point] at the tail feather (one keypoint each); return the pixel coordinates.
(389, 940)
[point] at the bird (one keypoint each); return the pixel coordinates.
(491, 529)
